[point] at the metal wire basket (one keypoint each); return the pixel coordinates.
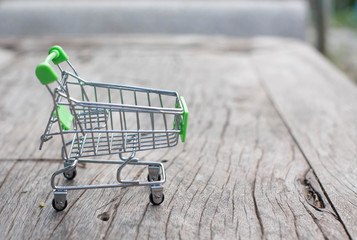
(102, 119)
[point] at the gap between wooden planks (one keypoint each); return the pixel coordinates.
(317, 104)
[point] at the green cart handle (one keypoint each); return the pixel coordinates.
(44, 72)
(183, 120)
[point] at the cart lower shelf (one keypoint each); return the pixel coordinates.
(98, 144)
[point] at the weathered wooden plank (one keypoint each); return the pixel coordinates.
(6, 57)
(317, 103)
(20, 110)
(240, 175)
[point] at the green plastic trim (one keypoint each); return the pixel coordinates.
(61, 55)
(44, 71)
(184, 120)
(65, 117)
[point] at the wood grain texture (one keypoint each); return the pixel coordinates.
(241, 174)
(318, 104)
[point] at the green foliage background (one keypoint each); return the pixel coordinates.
(345, 13)
(343, 4)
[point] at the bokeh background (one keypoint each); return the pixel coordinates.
(329, 25)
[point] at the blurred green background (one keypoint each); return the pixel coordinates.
(341, 34)
(345, 13)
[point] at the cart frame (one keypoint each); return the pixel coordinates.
(101, 127)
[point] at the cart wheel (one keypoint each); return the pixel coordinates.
(156, 201)
(58, 207)
(158, 178)
(70, 174)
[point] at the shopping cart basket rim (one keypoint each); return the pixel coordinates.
(118, 86)
(121, 107)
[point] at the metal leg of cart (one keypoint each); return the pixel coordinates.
(155, 179)
(154, 176)
(157, 195)
(71, 173)
(59, 201)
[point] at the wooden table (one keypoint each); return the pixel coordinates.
(271, 150)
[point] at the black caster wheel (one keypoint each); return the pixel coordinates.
(58, 207)
(156, 201)
(70, 175)
(158, 178)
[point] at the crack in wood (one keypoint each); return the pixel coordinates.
(295, 225)
(287, 126)
(256, 210)
(201, 215)
(140, 222)
(190, 203)
(215, 212)
(196, 173)
(221, 143)
(46, 199)
(167, 222)
(234, 209)
(6, 176)
(174, 159)
(313, 197)
(18, 192)
(174, 194)
(63, 214)
(315, 221)
(114, 214)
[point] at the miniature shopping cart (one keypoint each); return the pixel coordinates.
(95, 120)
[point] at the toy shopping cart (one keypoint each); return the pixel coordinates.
(100, 119)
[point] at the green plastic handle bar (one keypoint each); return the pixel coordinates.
(184, 120)
(44, 72)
